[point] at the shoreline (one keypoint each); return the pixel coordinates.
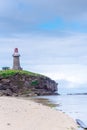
(21, 114)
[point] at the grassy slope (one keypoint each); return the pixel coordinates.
(7, 73)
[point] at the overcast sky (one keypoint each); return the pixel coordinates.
(51, 36)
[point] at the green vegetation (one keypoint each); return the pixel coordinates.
(8, 73)
(34, 83)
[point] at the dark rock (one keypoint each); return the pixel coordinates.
(20, 84)
(5, 80)
(1, 87)
(6, 92)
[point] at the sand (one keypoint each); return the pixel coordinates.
(20, 114)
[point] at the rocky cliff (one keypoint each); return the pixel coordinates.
(22, 84)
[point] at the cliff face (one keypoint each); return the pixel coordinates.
(25, 85)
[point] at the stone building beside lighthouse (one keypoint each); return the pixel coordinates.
(16, 60)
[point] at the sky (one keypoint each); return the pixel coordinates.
(51, 37)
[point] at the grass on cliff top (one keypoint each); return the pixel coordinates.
(8, 73)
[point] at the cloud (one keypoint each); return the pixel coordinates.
(74, 73)
(27, 15)
(46, 9)
(6, 7)
(49, 50)
(49, 18)
(68, 87)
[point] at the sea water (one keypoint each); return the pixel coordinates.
(73, 105)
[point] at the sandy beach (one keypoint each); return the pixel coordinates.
(20, 114)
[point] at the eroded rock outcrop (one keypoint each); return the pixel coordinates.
(25, 85)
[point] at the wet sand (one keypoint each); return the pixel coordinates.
(20, 114)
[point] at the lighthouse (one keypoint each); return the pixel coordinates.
(16, 60)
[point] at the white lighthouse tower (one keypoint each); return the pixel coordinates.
(16, 60)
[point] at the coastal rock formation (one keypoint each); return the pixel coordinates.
(27, 85)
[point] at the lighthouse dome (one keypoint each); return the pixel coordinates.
(16, 52)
